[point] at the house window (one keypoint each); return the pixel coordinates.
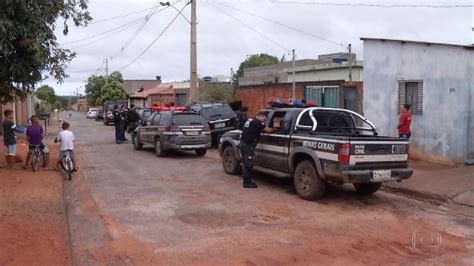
(411, 92)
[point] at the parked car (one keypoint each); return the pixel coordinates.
(99, 116)
(92, 113)
(170, 130)
(108, 109)
(219, 116)
(316, 146)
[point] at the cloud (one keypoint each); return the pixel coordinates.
(223, 42)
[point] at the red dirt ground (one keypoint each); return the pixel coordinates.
(33, 225)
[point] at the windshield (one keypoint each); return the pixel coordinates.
(188, 119)
(217, 112)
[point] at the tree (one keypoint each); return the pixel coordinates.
(255, 60)
(28, 47)
(95, 84)
(113, 91)
(218, 92)
(46, 94)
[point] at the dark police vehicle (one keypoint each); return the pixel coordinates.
(219, 115)
(317, 146)
(171, 130)
(108, 108)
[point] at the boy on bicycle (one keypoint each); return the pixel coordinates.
(66, 137)
(34, 135)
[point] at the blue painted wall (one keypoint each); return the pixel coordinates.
(444, 133)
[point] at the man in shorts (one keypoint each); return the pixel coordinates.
(35, 134)
(9, 138)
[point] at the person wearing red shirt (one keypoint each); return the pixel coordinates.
(404, 122)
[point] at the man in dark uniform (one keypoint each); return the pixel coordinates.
(248, 141)
(118, 123)
(132, 118)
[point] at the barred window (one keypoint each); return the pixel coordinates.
(411, 92)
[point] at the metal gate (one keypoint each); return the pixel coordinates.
(325, 96)
(350, 99)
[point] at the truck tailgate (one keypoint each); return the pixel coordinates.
(385, 150)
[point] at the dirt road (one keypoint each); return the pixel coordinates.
(130, 207)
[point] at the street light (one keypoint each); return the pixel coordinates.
(169, 5)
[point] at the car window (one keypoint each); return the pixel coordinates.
(149, 119)
(332, 122)
(165, 119)
(277, 122)
(156, 119)
(362, 127)
(217, 111)
(305, 120)
(188, 119)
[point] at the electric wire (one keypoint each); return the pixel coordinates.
(251, 28)
(376, 5)
(283, 25)
(154, 41)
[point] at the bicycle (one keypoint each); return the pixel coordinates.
(37, 158)
(66, 163)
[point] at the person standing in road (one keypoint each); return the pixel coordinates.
(123, 113)
(252, 129)
(404, 123)
(118, 123)
(133, 118)
(9, 138)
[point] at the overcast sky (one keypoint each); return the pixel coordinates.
(223, 42)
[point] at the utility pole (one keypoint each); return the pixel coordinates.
(293, 87)
(106, 71)
(231, 76)
(349, 48)
(193, 89)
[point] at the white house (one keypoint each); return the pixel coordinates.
(437, 80)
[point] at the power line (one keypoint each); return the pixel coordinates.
(154, 41)
(375, 5)
(104, 32)
(126, 25)
(140, 28)
(251, 28)
(283, 25)
(104, 37)
(121, 16)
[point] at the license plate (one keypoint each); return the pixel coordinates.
(381, 175)
(192, 133)
(219, 125)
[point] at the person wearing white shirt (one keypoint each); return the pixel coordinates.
(66, 137)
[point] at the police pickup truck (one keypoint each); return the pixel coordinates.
(317, 146)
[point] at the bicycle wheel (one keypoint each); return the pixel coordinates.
(34, 161)
(69, 167)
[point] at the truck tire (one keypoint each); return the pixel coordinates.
(160, 152)
(367, 188)
(137, 145)
(201, 152)
(229, 161)
(307, 183)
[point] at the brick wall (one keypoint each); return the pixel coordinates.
(255, 97)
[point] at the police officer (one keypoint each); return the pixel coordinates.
(118, 122)
(248, 141)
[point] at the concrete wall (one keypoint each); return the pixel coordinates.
(441, 134)
(328, 74)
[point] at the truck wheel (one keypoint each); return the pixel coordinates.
(367, 188)
(307, 183)
(160, 152)
(229, 161)
(137, 145)
(201, 152)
